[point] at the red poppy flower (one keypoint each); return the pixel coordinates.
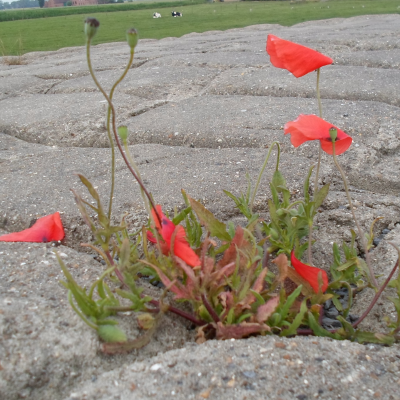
(181, 246)
(45, 229)
(311, 127)
(297, 59)
(310, 274)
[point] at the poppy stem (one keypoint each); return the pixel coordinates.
(263, 169)
(320, 115)
(318, 93)
(377, 295)
(109, 131)
(114, 128)
(309, 252)
(360, 232)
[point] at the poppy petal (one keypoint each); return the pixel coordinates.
(311, 127)
(181, 246)
(45, 229)
(297, 59)
(310, 274)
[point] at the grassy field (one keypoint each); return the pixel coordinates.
(57, 32)
(30, 13)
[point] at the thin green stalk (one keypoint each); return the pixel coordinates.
(262, 171)
(360, 232)
(131, 160)
(320, 115)
(128, 66)
(309, 252)
(114, 128)
(310, 227)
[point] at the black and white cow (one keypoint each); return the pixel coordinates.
(176, 14)
(156, 15)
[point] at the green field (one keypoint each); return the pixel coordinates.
(53, 33)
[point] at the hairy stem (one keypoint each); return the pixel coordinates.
(114, 128)
(181, 313)
(128, 66)
(310, 228)
(377, 295)
(360, 232)
(309, 252)
(210, 310)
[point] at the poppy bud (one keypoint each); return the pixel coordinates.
(274, 234)
(333, 133)
(123, 133)
(91, 25)
(132, 37)
(111, 334)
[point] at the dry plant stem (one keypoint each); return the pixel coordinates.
(377, 295)
(262, 171)
(109, 131)
(360, 232)
(115, 131)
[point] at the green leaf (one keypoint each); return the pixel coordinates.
(212, 224)
(279, 181)
(319, 330)
(320, 196)
(284, 310)
(124, 255)
(292, 330)
(306, 185)
(181, 216)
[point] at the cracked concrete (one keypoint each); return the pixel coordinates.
(202, 111)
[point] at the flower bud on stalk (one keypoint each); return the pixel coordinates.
(132, 37)
(91, 26)
(333, 133)
(123, 133)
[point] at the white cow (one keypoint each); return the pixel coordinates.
(156, 15)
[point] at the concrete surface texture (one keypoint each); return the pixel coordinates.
(202, 111)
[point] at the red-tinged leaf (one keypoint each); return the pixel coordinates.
(239, 331)
(310, 274)
(238, 242)
(259, 283)
(297, 59)
(226, 299)
(226, 271)
(311, 127)
(267, 309)
(191, 281)
(207, 218)
(180, 292)
(45, 229)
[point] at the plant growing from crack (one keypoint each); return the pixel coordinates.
(221, 271)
